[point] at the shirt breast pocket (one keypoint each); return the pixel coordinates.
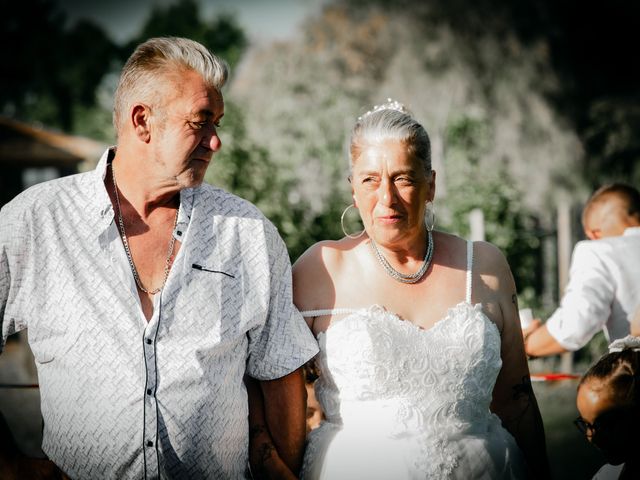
(213, 301)
(49, 338)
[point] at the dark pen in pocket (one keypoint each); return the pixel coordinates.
(205, 269)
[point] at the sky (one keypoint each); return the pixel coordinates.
(262, 20)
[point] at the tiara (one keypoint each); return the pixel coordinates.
(628, 342)
(389, 105)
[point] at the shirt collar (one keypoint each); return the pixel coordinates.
(105, 207)
(632, 231)
(101, 196)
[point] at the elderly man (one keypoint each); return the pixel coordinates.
(604, 281)
(149, 295)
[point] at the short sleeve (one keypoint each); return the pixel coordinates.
(284, 342)
(608, 472)
(12, 251)
(586, 304)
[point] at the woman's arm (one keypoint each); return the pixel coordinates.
(513, 397)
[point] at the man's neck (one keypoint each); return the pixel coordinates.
(141, 189)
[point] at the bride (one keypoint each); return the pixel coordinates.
(422, 367)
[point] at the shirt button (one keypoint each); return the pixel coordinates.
(149, 443)
(149, 391)
(149, 341)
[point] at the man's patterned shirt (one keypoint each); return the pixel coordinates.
(123, 397)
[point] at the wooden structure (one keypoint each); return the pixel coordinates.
(29, 154)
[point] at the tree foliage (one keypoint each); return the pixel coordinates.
(54, 70)
(589, 46)
(509, 224)
(497, 143)
(521, 101)
(221, 35)
(48, 67)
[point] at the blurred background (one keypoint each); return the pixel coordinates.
(530, 106)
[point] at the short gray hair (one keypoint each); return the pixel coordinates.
(162, 56)
(390, 121)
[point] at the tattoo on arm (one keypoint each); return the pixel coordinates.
(256, 430)
(523, 389)
(263, 448)
(522, 396)
(514, 299)
(266, 450)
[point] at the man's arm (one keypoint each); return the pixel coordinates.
(278, 349)
(539, 342)
(265, 462)
(585, 306)
(9, 452)
(277, 425)
(285, 402)
(635, 323)
(15, 465)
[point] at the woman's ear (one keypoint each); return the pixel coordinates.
(140, 120)
(353, 193)
(432, 186)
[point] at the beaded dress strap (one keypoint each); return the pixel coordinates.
(469, 269)
(332, 311)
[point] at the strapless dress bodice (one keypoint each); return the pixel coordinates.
(408, 399)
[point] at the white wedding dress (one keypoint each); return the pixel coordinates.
(405, 403)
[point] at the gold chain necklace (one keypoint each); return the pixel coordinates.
(125, 242)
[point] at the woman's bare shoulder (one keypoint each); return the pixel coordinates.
(450, 250)
(326, 254)
(489, 260)
(316, 271)
(494, 284)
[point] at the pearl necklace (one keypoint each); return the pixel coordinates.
(401, 277)
(125, 242)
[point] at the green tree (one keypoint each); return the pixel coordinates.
(590, 79)
(305, 95)
(244, 168)
(222, 35)
(509, 224)
(612, 142)
(247, 170)
(49, 68)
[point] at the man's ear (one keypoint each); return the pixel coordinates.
(593, 234)
(140, 120)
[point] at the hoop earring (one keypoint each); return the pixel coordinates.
(342, 224)
(430, 216)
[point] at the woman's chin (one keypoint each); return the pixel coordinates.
(387, 237)
(391, 234)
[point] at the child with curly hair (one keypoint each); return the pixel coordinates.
(609, 404)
